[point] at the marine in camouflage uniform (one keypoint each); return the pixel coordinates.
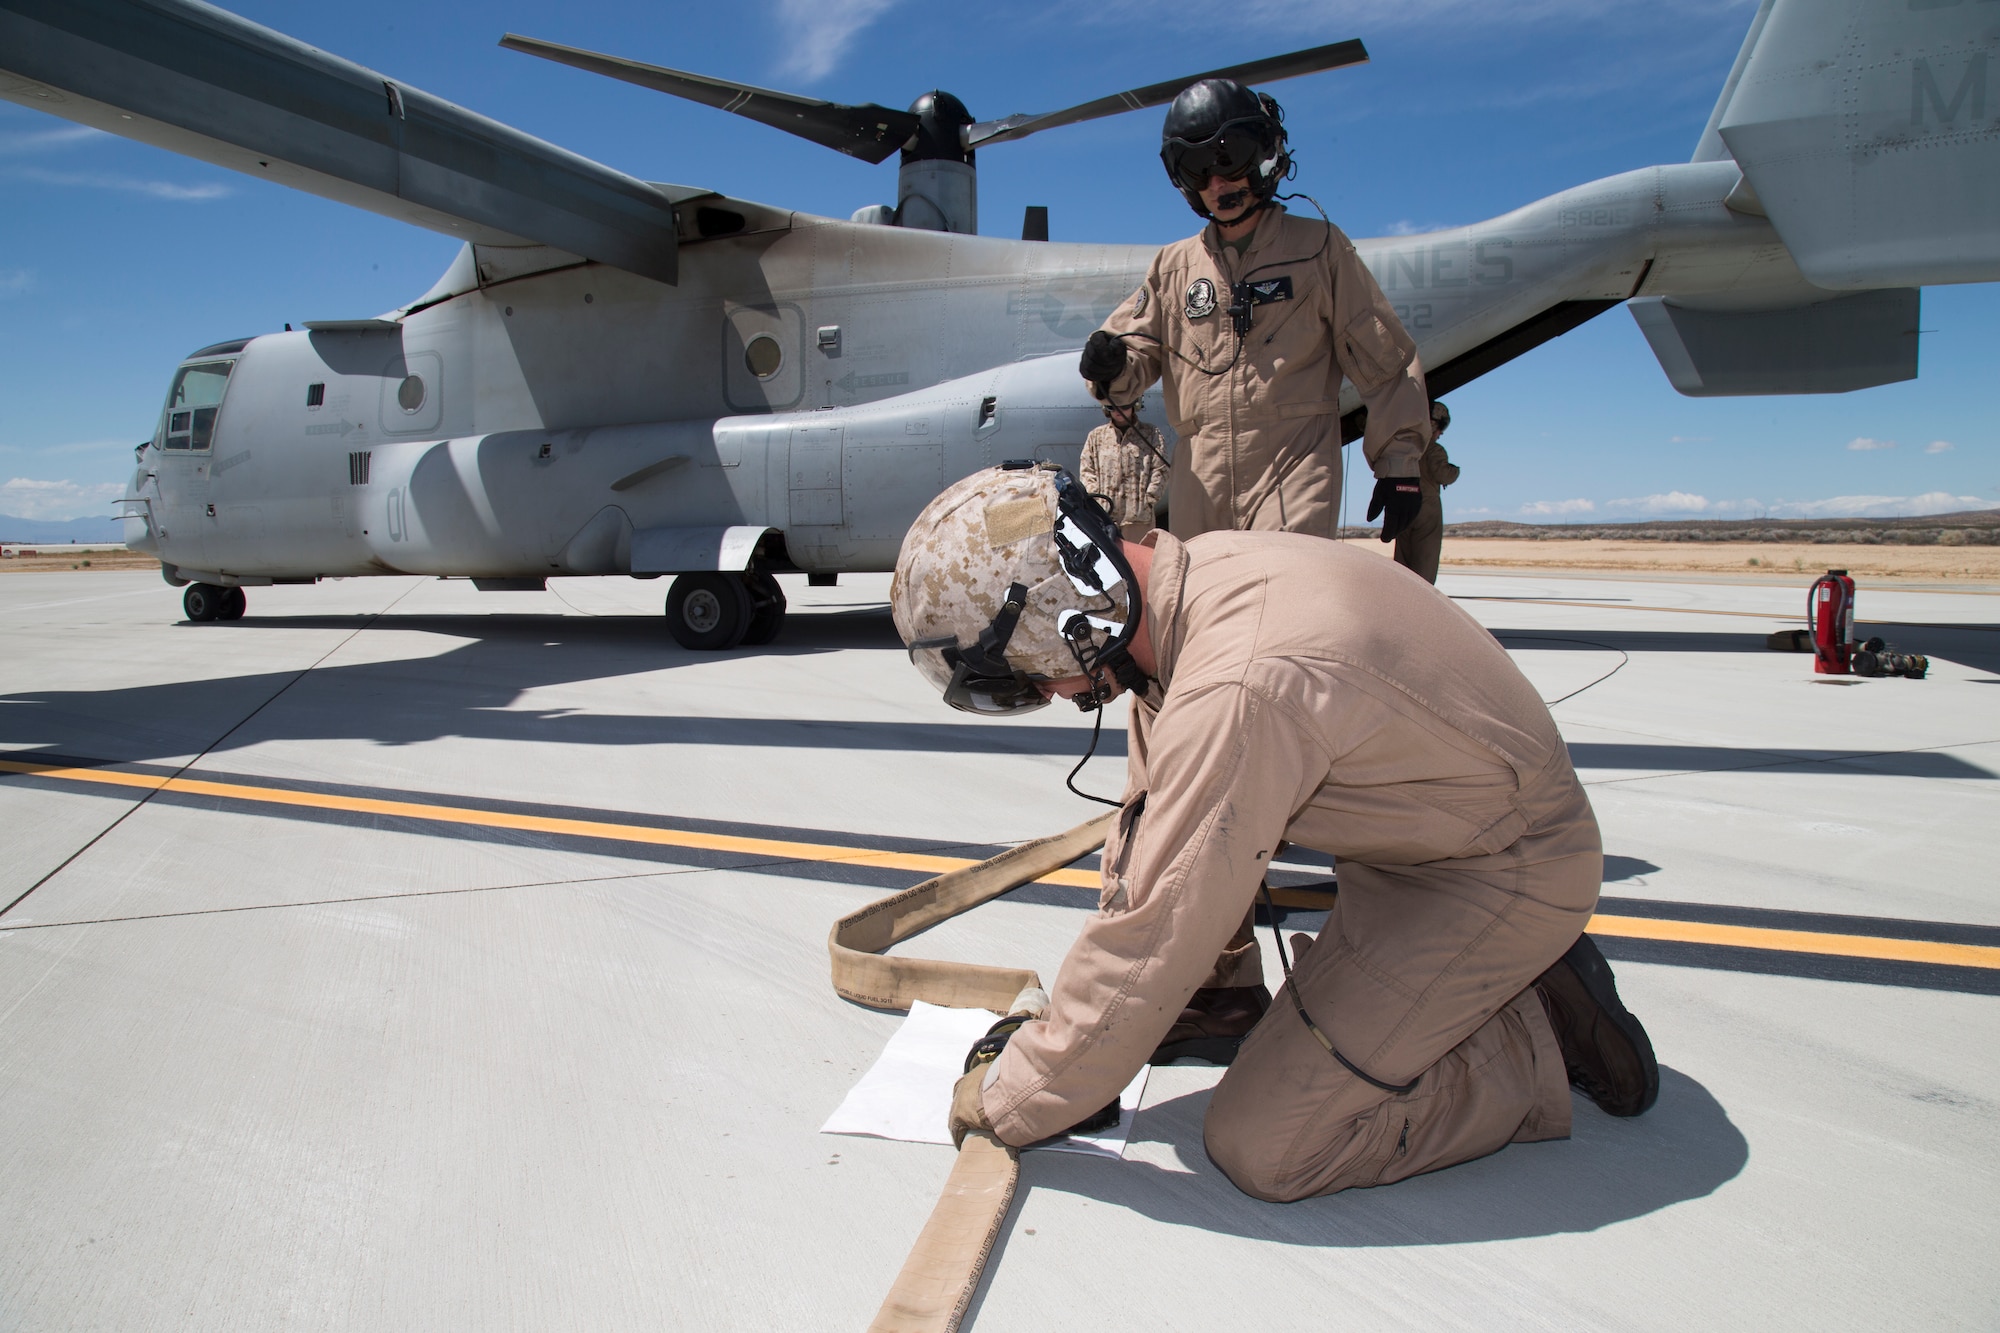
(1293, 689)
(1125, 464)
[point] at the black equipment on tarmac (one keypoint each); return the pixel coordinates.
(1876, 658)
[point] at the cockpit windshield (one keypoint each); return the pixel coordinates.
(191, 407)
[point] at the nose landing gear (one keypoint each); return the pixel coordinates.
(204, 602)
(708, 612)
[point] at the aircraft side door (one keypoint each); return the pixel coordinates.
(185, 449)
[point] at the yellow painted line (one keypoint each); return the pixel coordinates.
(1628, 927)
(575, 828)
(1798, 941)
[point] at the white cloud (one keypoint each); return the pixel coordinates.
(104, 181)
(817, 33)
(41, 141)
(1880, 506)
(1547, 508)
(1938, 447)
(1862, 444)
(1379, 14)
(16, 282)
(24, 497)
(1856, 506)
(1673, 502)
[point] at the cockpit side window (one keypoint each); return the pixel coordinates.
(193, 403)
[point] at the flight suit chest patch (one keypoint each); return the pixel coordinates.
(1200, 299)
(1270, 289)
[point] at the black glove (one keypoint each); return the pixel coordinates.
(1103, 360)
(987, 1049)
(1397, 499)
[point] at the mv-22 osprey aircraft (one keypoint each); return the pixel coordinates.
(623, 377)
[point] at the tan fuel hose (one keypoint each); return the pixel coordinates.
(938, 1280)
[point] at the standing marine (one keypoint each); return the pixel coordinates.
(1250, 326)
(1124, 464)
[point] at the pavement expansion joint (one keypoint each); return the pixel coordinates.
(457, 891)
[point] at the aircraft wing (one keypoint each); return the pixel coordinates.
(200, 81)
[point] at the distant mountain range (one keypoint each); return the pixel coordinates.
(82, 531)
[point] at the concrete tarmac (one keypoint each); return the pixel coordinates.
(403, 956)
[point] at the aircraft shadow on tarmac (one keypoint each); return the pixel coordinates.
(1609, 1171)
(474, 689)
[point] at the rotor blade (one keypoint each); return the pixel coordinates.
(196, 80)
(868, 132)
(1267, 70)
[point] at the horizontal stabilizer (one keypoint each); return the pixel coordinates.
(1831, 346)
(1870, 133)
(200, 81)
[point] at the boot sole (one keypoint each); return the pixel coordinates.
(1586, 963)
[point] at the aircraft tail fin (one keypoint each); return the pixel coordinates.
(1710, 147)
(1870, 135)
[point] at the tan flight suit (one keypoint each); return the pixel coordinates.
(1125, 467)
(1419, 545)
(1260, 442)
(1312, 693)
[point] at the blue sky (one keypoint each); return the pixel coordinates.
(116, 259)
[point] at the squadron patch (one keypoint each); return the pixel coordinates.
(1200, 299)
(1139, 299)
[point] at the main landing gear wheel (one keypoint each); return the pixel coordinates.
(234, 603)
(204, 602)
(707, 612)
(767, 609)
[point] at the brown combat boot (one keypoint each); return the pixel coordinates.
(1605, 1049)
(1213, 1025)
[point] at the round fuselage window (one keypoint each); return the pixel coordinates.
(410, 393)
(763, 356)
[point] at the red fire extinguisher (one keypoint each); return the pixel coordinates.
(1830, 612)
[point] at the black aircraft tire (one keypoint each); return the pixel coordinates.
(203, 602)
(767, 609)
(708, 612)
(234, 603)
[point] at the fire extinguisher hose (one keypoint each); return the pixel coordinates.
(937, 1282)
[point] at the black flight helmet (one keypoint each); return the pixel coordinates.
(1217, 127)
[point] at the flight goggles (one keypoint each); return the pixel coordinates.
(1229, 153)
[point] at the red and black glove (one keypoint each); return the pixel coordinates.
(1397, 499)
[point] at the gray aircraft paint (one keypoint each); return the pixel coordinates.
(540, 400)
(822, 379)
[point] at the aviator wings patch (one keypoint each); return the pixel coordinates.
(1269, 290)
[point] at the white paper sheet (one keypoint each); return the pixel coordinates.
(906, 1093)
